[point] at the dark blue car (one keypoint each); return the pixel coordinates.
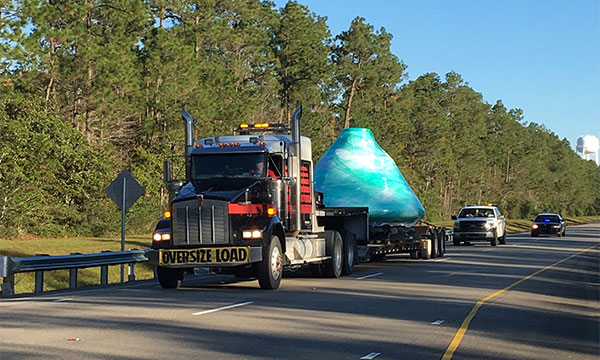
(549, 224)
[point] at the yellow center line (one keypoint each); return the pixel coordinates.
(465, 324)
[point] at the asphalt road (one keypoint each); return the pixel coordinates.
(533, 298)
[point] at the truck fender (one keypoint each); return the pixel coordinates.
(274, 228)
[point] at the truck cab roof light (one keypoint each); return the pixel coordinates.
(198, 145)
(228, 145)
(243, 126)
(262, 143)
(236, 144)
(167, 214)
(221, 144)
(261, 126)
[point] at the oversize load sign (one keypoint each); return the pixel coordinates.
(224, 255)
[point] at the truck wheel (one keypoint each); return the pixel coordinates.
(455, 241)
(426, 251)
(442, 242)
(169, 278)
(333, 247)
(434, 245)
(349, 252)
(502, 239)
(494, 240)
(270, 269)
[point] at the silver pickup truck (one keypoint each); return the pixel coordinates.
(479, 222)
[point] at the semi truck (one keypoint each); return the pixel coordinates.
(248, 207)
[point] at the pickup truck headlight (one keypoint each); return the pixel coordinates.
(556, 226)
(534, 226)
(489, 225)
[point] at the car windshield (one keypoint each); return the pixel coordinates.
(547, 218)
(476, 212)
(228, 165)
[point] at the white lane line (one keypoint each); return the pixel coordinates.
(65, 299)
(370, 356)
(437, 322)
(223, 308)
(368, 276)
(487, 250)
(444, 259)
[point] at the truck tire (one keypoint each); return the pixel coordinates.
(434, 245)
(334, 247)
(349, 255)
(426, 251)
(169, 278)
(494, 240)
(502, 239)
(455, 241)
(270, 270)
(442, 242)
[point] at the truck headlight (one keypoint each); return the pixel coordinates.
(489, 225)
(157, 236)
(252, 234)
(556, 226)
(535, 226)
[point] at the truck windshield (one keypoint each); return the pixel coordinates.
(474, 212)
(228, 165)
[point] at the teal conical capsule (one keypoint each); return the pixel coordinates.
(355, 171)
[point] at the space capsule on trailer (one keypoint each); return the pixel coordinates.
(356, 171)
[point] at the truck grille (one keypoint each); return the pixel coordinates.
(472, 225)
(193, 225)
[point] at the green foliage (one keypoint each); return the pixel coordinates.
(89, 88)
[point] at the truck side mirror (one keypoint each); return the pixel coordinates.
(166, 172)
(453, 217)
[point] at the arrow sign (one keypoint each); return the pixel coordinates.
(124, 191)
(125, 187)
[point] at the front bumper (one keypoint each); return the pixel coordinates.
(227, 256)
(473, 235)
(546, 231)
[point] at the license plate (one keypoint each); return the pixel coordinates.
(222, 255)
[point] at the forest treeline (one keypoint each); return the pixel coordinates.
(89, 88)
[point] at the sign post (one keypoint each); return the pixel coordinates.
(124, 191)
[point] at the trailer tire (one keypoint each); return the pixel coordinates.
(426, 252)
(350, 250)
(169, 278)
(334, 247)
(434, 244)
(441, 242)
(270, 270)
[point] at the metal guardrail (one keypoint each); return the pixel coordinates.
(42, 262)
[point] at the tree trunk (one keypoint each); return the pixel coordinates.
(347, 116)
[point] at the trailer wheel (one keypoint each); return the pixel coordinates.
(434, 244)
(169, 278)
(270, 269)
(349, 257)
(426, 251)
(334, 247)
